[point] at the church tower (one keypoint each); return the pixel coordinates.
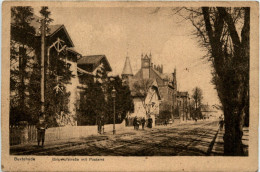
(127, 72)
(146, 64)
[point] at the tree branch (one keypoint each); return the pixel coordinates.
(205, 11)
(231, 25)
(246, 28)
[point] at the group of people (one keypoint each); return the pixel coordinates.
(137, 122)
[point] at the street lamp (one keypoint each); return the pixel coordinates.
(114, 97)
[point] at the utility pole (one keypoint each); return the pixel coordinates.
(189, 108)
(183, 107)
(22, 63)
(42, 62)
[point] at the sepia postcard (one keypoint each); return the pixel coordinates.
(130, 86)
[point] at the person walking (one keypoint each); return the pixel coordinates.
(41, 127)
(165, 122)
(135, 123)
(143, 122)
(102, 124)
(221, 124)
(99, 124)
(150, 122)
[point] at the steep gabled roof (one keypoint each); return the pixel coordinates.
(94, 59)
(84, 71)
(127, 70)
(153, 83)
(90, 59)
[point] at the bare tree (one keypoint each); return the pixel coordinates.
(224, 32)
(197, 97)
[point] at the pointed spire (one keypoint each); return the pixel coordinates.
(127, 68)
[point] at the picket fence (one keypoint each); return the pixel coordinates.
(26, 134)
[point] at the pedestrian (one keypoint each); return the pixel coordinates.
(221, 124)
(99, 125)
(143, 122)
(126, 122)
(102, 124)
(41, 127)
(165, 122)
(135, 123)
(150, 122)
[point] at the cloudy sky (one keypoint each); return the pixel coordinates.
(118, 31)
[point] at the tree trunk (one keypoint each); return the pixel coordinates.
(233, 133)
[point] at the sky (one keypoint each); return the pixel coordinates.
(118, 32)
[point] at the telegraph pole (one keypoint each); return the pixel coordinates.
(183, 107)
(42, 62)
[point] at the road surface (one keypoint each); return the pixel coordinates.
(186, 139)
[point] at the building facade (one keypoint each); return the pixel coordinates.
(59, 46)
(183, 105)
(166, 84)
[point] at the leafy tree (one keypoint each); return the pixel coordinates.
(92, 104)
(96, 101)
(93, 99)
(21, 45)
(123, 100)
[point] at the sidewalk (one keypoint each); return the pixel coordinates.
(31, 146)
(218, 147)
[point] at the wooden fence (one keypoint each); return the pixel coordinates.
(22, 134)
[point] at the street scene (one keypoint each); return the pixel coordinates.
(115, 81)
(196, 139)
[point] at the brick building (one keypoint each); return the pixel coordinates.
(165, 83)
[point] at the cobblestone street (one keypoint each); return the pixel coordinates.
(186, 139)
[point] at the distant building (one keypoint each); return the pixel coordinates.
(183, 105)
(208, 111)
(166, 84)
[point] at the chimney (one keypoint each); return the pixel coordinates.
(154, 66)
(151, 65)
